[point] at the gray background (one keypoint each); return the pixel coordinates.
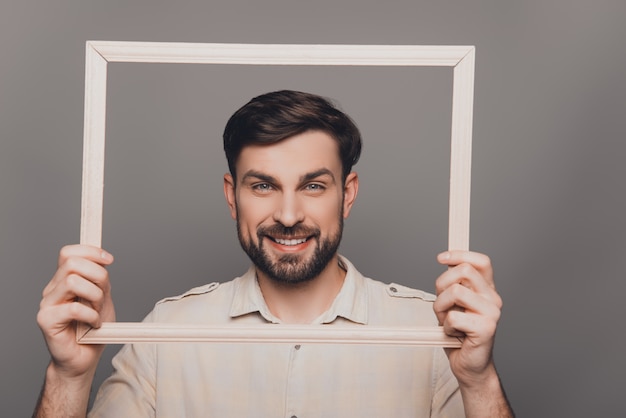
(547, 198)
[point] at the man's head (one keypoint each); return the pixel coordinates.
(291, 185)
(275, 116)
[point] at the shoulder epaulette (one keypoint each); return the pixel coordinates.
(200, 290)
(398, 291)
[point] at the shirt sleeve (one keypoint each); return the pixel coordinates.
(131, 390)
(446, 401)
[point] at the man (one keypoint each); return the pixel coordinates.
(290, 186)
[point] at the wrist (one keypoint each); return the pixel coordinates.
(483, 395)
(74, 382)
(487, 378)
(63, 394)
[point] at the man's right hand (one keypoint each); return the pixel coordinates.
(81, 273)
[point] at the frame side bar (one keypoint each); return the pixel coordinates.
(93, 154)
(281, 54)
(93, 148)
(323, 334)
(461, 153)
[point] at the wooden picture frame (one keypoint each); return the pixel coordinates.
(100, 53)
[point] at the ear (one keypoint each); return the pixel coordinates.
(350, 190)
(229, 194)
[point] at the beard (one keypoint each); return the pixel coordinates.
(291, 268)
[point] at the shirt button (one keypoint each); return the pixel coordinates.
(297, 347)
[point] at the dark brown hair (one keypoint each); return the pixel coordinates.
(275, 116)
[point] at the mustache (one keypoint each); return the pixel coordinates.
(278, 230)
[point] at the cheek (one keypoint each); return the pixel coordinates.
(253, 212)
(328, 214)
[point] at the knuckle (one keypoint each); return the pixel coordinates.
(465, 269)
(103, 277)
(497, 313)
(453, 316)
(71, 263)
(499, 302)
(46, 290)
(41, 318)
(489, 327)
(489, 321)
(72, 281)
(65, 253)
(98, 298)
(457, 290)
(437, 306)
(496, 319)
(438, 287)
(74, 309)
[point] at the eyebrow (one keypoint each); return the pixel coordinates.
(316, 174)
(258, 175)
(303, 179)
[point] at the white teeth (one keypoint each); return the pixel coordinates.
(290, 241)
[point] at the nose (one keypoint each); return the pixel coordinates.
(289, 210)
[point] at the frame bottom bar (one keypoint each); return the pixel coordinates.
(121, 333)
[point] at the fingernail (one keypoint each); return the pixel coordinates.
(106, 256)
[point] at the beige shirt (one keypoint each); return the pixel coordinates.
(284, 380)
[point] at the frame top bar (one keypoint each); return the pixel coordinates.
(280, 54)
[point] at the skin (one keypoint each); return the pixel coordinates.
(295, 182)
(81, 273)
(468, 306)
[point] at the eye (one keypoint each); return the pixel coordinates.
(315, 187)
(262, 187)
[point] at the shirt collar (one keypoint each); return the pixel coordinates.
(350, 303)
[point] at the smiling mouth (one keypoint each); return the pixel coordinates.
(289, 238)
(290, 242)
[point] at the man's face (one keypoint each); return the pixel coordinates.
(289, 205)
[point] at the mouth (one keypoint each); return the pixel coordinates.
(290, 242)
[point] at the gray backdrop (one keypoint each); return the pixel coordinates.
(547, 198)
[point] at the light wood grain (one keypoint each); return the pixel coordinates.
(320, 334)
(100, 53)
(461, 153)
(280, 54)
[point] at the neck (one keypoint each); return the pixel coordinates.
(302, 303)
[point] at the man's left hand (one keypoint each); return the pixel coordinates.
(468, 306)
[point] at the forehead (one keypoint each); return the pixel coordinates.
(300, 154)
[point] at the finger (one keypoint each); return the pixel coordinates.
(55, 319)
(90, 252)
(79, 266)
(471, 325)
(448, 328)
(73, 287)
(481, 262)
(466, 275)
(470, 301)
(456, 297)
